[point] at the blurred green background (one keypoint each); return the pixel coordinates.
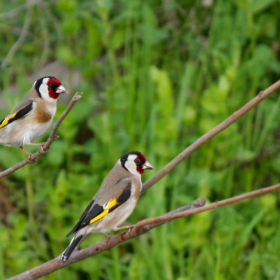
(155, 76)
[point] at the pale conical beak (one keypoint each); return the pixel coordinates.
(61, 89)
(147, 165)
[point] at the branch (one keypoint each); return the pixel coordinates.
(48, 143)
(209, 135)
(136, 230)
(111, 242)
(14, 13)
(20, 40)
(145, 225)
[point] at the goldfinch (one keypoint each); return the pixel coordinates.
(33, 116)
(114, 201)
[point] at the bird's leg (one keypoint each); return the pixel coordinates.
(27, 152)
(37, 144)
(126, 228)
(41, 145)
(129, 227)
(29, 155)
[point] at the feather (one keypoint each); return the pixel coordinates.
(95, 212)
(78, 224)
(15, 116)
(68, 251)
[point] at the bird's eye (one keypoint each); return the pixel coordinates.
(137, 161)
(52, 86)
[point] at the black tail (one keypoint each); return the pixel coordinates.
(68, 251)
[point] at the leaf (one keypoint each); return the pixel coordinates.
(259, 5)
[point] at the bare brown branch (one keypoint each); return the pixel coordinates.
(150, 223)
(57, 264)
(146, 225)
(209, 135)
(47, 144)
(136, 230)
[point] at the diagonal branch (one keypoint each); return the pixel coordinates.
(20, 40)
(48, 143)
(198, 206)
(111, 242)
(146, 225)
(209, 135)
(15, 12)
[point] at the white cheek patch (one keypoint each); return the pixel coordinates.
(43, 89)
(131, 166)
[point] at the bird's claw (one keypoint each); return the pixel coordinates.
(43, 149)
(30, 159)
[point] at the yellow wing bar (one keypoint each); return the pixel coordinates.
(6, 120)
(112, 203)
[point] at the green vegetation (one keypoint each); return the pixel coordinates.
(156, 76)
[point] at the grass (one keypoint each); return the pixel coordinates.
(156, 76)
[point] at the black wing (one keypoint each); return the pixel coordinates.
(15, 116)
(77, 226)
(95, 212)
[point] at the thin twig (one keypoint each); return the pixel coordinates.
(209, 135)
(136, 230)
(52, 137)
(150, 223)
(47, 144)
(20, 40)
(14, 13)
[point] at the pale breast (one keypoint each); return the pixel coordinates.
(30, 127)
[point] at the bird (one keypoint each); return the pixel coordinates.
(34, 114)
(114, 201)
